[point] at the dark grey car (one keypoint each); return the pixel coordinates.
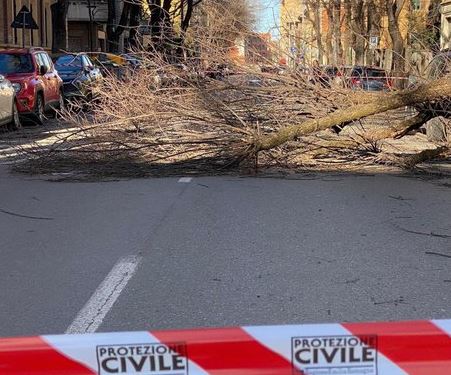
(369, 79)
(79, 75)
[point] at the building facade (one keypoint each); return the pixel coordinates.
(299, 20)
(445, 32)
(40, 9)
(86, 25)
(257, 48)
(291, 28)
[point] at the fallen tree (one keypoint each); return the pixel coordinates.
(191, 122)
(431, 92)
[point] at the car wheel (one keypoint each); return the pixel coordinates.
(15, 124)
(39, 109)
(61, 105)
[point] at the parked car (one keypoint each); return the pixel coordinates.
(79, 75)
(110, 64)
(133, 61)
(39, 88)
(9, 115)
(369, 79)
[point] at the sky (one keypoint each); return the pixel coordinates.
(267, 15)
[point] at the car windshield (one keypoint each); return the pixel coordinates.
(15, 63)
(357, 72)
(68, 62)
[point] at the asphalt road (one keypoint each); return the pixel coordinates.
(221, 251)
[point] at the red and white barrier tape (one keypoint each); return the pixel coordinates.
(395, 348)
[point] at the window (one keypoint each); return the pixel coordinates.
(43, 60)
(69, 60)
(39, 60)
(42, 25)
(48, 60)
(85, 61)
(14, 15)
(45, 28)
(15, 63)
(31, 30)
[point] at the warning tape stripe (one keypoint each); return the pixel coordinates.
(32, 355)
(85, 349)
(403, 348)
(444, 325)
(420, 347)
(278, 338)
(229, 351)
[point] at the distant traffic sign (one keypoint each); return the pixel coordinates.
(374, 41)
(24, 20)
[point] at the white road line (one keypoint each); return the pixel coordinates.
(94, 311)
(185, 180)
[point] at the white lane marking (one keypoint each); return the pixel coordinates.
(94, 311)
(185, 180)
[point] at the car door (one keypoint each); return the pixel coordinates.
(45, 79)
(53, 78)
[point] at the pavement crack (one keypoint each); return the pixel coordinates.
(25, 216)
(430, 234)
(400, 198)
(437, 254)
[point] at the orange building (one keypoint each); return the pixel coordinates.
(257, 48)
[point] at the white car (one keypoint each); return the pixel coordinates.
(9, 114)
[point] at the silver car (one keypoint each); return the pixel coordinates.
(9, 114)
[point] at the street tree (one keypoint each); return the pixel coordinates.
(168, 21)
(394, 9)
(59, 25)
(313, 14)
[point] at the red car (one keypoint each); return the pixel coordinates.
(39, 88)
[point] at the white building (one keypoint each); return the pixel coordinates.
(445, 35)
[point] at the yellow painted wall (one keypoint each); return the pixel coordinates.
(299, 33)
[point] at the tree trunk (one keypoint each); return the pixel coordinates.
(135, 13)
(328, 6)
(113, 38)
(111, 20)
(374, 29)
(394, 8)
(314, 17)
(430, 92)
(186, 16)
(59, 25)
(347, 40)
(358, 30)
(336, 29)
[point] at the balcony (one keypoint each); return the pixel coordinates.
(79, 11)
